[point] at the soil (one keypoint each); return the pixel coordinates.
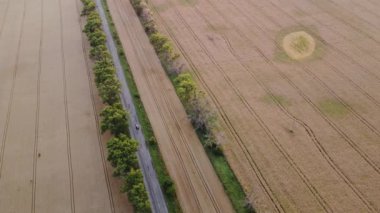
(51, 154)
(319, 152)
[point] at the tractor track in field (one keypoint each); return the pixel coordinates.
(311, 134)
(262, 124)
(184, 142)
(253, 164)
(4, 17)
(322, 41)
(306, 127)
(67, 121)
(37, 122)
(303, 176)
(344, 135)
(363, 121)
(8, 115)
(97, 121)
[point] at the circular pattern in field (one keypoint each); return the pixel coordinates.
(298, 45)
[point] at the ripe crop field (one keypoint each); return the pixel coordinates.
(297, 86)
(51, 155)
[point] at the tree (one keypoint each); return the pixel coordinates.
(88, 7)
(115, 119)
(99, 52)
(185, 87)
(133, 177)
(93, 22)
(163, 48)
(109, 90)
(96, 38)
(139, 198)
(122, 154)
(103, 70)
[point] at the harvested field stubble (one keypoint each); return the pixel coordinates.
(51, 155)
(329, 161)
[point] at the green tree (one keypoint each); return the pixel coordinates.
(103, 70)
(89, 6)
(93, 22)
(115, 119)
(99, 52)
(109, 90)
(122, 154)
(96, 38)
(139, 198)
(185, 87)
(133, 177)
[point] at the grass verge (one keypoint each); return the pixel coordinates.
(158, 163)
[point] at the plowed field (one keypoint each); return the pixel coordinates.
(302, 126)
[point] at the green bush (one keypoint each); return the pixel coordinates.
(103, 70)
(88, 7)
(99, 52)
(163, 48)
(109, 90)
(93, 22)
(96, 38)
(134, 186)
(185, 87)
(122, 154)
(114, 119)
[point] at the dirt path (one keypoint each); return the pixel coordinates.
(198, 187)
(303, 136)
(50, 156)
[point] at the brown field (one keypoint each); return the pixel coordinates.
(51, 155)
(301, 135)
(197, 185)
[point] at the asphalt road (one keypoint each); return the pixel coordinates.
(150, 177)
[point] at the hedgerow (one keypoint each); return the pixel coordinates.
(121, 149)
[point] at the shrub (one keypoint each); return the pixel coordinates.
(88, 7)
(99, 52)
(115, 119)
(168, 186)
(93, 22)
(122, 154)
(134, 186)
(109, 90)
(185, 87)
(163, 48)
(103, 70)
(96, 38)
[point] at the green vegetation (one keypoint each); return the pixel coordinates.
(333, 108)
(300, 44)
(273, 99)
(197, 106)
(121, 149)
(230, 183)
(164, 179)
(114, 119)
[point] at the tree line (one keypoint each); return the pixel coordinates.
(121, 148)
